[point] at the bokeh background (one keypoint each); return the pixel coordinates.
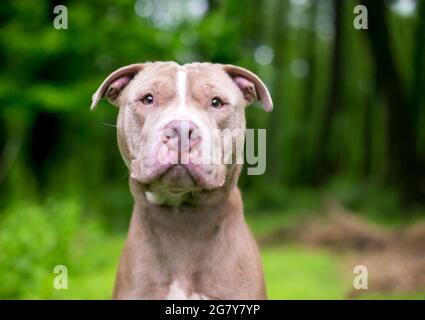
(344, 184)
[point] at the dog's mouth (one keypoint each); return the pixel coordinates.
(178, 178)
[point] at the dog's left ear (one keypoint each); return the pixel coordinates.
(112, 86)
(251, 86)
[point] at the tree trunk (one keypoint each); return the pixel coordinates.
(401, 138)
(44, 140)
(213, 5)
(335, 87)
(418, 94)
(304, 163)
(367, 134)
(274, 128)
(309, 89)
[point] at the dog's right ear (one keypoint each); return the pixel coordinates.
(252, 87)
(112, 86)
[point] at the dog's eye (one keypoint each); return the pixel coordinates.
(147, 99)
(216, 103)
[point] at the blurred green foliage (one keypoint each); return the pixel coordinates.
(50, 141)
(64, 195)
(34, 239)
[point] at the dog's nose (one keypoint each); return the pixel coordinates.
(182, 134)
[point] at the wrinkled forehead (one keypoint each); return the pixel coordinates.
(204, 77)
(158, 73)
(194, 77)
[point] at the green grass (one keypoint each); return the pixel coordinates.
(291, 273)
(35, 238)
(93, 283)
(90, 286)
(298, 273)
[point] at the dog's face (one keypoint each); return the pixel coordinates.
(170, 124)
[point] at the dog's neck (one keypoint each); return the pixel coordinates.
(201, 215)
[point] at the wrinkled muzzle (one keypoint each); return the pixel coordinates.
(181, 156)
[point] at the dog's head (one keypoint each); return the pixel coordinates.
(171, 121)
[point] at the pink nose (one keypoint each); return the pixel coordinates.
(182, 134)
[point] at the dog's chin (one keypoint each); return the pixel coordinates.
(178, 178)
(178, 184)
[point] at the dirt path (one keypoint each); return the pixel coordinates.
(395, 258)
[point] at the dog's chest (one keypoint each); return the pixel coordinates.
(177, 292)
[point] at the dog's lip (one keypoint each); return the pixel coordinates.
(172, 167)
(190, 169)
(200, 179)
(155, 174)
(157, 171)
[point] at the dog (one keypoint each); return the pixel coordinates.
(187, 238)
